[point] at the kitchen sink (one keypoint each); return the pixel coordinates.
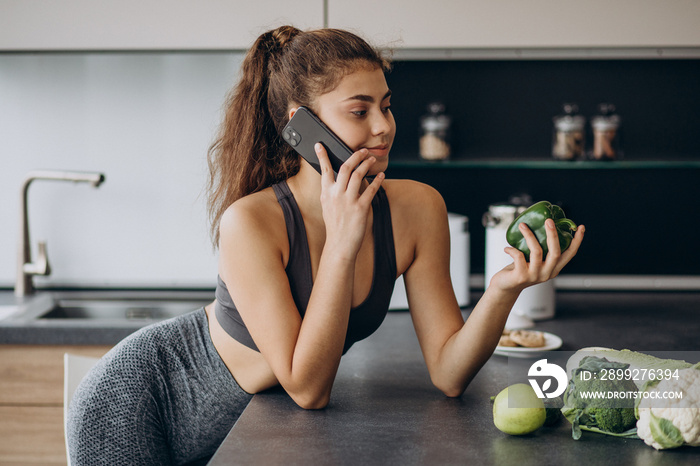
(101, 307)
(90, 317)
(127, 309)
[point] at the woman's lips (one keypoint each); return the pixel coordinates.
(379, 151)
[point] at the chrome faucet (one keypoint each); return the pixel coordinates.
(25, 267)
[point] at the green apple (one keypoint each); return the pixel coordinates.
(518, 411)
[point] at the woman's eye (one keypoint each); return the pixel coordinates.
(359, 112)
(386, 109)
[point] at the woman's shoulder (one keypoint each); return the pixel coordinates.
(253, 214)
(409, 196)
(417, 210)
(419, 213)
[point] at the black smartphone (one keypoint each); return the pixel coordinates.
(305, 129)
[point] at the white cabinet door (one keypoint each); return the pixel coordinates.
(147, 24)
(519, 23)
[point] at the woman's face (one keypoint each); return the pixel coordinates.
(358, 111)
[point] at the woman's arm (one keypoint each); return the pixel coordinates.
(303, 354)
(455, 350)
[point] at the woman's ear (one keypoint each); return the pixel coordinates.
(292, 111)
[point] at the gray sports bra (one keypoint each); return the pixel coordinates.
(366, 317)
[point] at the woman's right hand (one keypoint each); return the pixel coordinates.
(346, 200)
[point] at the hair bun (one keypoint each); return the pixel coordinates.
(284, 34)
(278, 38)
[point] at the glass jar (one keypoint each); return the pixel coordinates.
(434, 143)
(606, 133)
(568, 136)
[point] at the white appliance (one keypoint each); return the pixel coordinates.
(535, 302)
(459, 265)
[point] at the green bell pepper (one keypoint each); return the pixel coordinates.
(534, 217)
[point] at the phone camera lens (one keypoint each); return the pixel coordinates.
(291, 136)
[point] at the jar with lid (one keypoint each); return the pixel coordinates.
(606, 133)
(568, 136)
(434, 143)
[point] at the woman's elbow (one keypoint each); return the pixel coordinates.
(452, 392)
(311, 400)
(449, 388)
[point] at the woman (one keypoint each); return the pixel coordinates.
(307, 265)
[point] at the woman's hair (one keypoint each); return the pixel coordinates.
(285, 67)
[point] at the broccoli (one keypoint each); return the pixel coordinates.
(597, 399)
(615, 420)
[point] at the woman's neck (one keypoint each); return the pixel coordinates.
(306, 187)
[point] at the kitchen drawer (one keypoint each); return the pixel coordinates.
(33, 375)
(32, 435)
(31, 402)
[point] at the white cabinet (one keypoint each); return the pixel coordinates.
(409, 24)
(520, 24)
(147, 24)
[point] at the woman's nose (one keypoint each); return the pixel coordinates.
(381, 123)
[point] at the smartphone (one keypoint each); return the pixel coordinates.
(305, 129)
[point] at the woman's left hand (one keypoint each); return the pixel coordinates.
(521, 274)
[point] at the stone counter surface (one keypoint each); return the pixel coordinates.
(384, 409)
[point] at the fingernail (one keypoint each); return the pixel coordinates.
(549, 223)
(317, 146)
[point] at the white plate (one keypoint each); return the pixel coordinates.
(551, 342)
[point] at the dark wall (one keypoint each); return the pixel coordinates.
(639, 221)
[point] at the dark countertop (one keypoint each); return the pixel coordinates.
(68, 333)
(384, 409)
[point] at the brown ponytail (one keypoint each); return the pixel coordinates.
(284, 67)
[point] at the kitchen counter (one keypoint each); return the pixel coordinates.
(384, 409)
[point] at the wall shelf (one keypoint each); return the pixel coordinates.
(545, 164)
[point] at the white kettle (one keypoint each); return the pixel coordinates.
(535, 302)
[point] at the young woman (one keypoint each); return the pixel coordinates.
(307, 265)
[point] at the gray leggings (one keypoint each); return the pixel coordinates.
(161, 396)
